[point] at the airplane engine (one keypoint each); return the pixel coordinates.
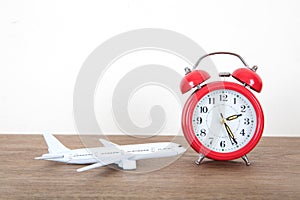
(127, 164)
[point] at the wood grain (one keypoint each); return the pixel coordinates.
(274, 174)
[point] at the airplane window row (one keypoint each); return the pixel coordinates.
(89, 154)
(96, 153)
(138, 150)
(116, 152)
(167, 148)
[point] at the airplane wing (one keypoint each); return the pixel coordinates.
(108, 143)
(104, 162)
(93, 166)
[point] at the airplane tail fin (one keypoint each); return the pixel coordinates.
(54, 145)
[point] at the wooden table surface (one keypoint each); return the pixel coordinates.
(274, 174)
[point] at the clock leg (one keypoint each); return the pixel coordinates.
(199, 160)
(245, 158)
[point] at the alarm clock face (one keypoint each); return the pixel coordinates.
(225, 121)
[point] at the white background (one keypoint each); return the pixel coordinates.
(44, 43)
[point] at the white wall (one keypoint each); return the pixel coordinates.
(44, 43)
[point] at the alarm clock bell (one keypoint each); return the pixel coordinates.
(192, 79)
(248, 77)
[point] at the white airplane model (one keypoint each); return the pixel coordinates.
(125, 156)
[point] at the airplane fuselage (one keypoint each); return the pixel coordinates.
(138, 151)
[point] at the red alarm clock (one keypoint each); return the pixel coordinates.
(222, 120)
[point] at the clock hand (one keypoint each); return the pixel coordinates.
(233, 117)
(230, 133)
(228, 130)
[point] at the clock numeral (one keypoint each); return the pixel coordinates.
(211, 100)
(223, 97)
(211, 139)
(242, 132)
(247, 121)
(234, 101)
(199, 120)
(203, 132)
(222, 144)
(243, 108)
(203, 109)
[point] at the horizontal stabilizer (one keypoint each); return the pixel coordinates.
(49, 156)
